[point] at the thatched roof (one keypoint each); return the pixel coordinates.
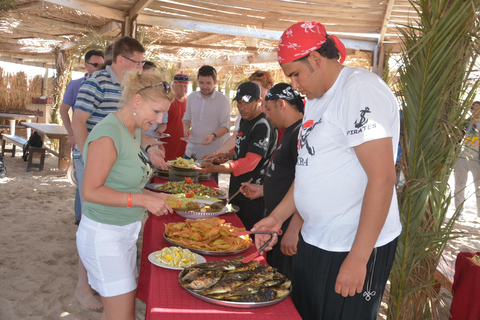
(190, 33)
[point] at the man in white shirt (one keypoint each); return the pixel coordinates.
(206, 121)
(344, 186)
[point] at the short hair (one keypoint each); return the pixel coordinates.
(126, 46)
(109, 52)
(207, 71)
(476, 102)
(148, 83)
(91, 53)
(264, 77)
(327, 50)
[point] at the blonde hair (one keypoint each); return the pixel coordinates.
(150, 85)
(264, 77)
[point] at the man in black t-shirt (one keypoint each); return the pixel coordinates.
(254, 146)
(284, 108)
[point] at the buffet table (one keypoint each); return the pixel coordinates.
(165, 299)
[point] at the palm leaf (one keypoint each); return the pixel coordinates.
(437, 61)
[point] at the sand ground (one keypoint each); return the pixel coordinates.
(38, 258)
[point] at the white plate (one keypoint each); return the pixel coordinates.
(151, 258)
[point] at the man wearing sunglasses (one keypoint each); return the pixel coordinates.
(93, 61)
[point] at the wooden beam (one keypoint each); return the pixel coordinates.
(112, 26)
(386, 20)
(262, 57)
(92, 8)
(238, 31)
(137, 8)
(203, 46)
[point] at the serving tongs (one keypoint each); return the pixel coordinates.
(257, 253)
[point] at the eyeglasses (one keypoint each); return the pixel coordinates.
(138, 63)
(96, 64)
(165, 85)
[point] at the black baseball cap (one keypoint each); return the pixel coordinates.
(248, 92)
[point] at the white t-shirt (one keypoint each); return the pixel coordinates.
(206, 116)
(330, 181)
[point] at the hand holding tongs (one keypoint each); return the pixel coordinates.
(259, 251)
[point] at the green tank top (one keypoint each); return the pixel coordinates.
(131, 171)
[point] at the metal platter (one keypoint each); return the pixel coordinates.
(233, 304)
(205, 252)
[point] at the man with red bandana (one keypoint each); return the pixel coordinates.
(344, 186)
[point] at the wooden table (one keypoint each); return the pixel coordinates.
(55, 131)
(12, 117)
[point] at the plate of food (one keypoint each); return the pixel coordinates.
(207, 237)
(232, 283)
(185, 187)
(175, 258)
(182, 164)
(157, 135)
(196, 209)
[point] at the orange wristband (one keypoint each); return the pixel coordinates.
(129, 202)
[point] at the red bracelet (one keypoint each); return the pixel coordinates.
(70, 135)
(129, 202)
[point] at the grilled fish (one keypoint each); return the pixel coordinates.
(205, 281)
(232, 280)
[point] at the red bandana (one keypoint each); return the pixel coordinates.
(304, 37)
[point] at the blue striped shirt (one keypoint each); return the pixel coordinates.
(99, 95)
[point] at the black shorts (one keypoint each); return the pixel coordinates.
(314, 280)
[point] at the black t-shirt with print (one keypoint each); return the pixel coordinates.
(281, 171)
(257, 136)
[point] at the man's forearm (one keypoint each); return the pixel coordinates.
(66, 117)
(220, 132)
(80, 132)
(286, 207)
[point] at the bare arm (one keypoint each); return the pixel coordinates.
(79, 126)
(275, 220)
(68, 124)
(376, 158)
(101, 157)
(186, 128)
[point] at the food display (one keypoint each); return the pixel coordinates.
(207, 235)
(193, 205)
(235, 282)
(185, 187)
(176, 257)
(182, 163)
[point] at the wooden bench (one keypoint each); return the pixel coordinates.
(19, 141)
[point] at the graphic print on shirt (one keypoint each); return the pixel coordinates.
(239, 139)
(361, 124)
(307, 128)
(147, 170)
(363, 121)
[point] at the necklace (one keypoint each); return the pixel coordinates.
(123, 120)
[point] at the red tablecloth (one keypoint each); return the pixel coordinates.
(165, 299)
(466, 284)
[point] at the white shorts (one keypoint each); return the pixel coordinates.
(109, 254)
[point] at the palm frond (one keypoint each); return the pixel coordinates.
(434, 79)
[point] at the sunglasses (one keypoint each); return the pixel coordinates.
(260, 75)
(138, 63)
(96, 64)
(165, 85)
